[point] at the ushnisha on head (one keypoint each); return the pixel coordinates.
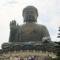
(30, 14)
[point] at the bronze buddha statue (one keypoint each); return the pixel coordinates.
(30, 33)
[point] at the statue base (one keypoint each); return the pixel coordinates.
(40, 54)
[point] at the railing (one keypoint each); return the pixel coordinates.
(38, 58)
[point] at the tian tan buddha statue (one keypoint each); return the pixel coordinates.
(30, 31)
(29, 35)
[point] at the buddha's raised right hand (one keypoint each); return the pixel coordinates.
(13, 26)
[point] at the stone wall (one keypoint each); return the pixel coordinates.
(40, 54)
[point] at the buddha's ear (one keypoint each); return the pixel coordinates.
(24, 20)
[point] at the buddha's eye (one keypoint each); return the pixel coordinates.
(32, 12)
(27, 12)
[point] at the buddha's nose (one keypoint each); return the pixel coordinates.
(30, 14)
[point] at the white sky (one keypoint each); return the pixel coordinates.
(49, 15)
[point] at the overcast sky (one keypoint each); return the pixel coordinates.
(49, 15)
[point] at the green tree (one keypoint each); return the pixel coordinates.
(57, 51)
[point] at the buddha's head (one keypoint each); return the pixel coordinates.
(30, 14)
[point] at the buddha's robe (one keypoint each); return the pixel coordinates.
(29, 32)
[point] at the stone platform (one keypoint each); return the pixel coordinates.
(40, 54)
(30, 52)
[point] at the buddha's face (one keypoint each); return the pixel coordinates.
(30, 15)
